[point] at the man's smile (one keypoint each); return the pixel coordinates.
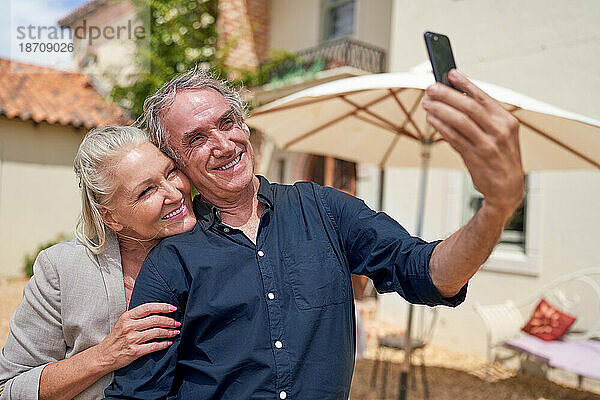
(231, 164)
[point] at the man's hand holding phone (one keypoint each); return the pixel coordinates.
(486, 136)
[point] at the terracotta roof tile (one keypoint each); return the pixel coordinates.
(31, 92)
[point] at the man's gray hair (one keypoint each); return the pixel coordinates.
(196, 78)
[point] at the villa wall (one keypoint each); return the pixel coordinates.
(296, 24)
(38, 191)
(545, 50)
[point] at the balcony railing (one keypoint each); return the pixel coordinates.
(330, 55)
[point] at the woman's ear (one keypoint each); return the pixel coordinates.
(109, 220)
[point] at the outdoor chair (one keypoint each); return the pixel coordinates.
(577, 294)
(424, 325)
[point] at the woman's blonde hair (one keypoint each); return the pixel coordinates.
(98, 153)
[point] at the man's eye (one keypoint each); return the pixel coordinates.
(227, 123)
(172, 172)
(196, 140)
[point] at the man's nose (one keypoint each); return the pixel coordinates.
(222, 145)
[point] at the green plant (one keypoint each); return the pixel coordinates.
(30, 258)
(183, 34)
(267, 72)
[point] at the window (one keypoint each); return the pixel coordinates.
(338, 18)
(343, 176)
(518, 249)
(513, 236)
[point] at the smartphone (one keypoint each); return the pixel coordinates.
(440, 55)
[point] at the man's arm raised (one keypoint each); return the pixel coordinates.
(486, 137)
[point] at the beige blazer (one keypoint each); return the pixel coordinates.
(71, 303)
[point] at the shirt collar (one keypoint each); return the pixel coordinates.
(208, 214)
(265, 191)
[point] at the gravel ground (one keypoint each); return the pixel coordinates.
(450, 375)
(11, 291)
(452, 384)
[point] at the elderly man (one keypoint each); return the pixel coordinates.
(262, 283)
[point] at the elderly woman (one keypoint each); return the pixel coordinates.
(71, 330)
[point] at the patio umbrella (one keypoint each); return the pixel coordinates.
(377, 119)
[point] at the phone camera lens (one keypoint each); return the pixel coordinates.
(435, 38)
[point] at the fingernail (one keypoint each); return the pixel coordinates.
(177, 324)
(169, 342)
(176, 332)
(172, 308)
(425, 102)
(431, 88)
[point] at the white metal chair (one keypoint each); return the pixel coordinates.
(577, 293)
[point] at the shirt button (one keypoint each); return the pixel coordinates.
(271, 296)
(279, 345)
(226, 230)
(282, 395)
(260, 253)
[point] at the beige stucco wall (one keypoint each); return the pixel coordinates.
(38, 191)
(114, 56)
(288, 18)
(296, 24)
(567, 226)
(546, 50)
(549, 50)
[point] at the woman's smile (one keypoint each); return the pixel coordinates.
(180, 212)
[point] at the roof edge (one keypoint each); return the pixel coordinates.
(81, 12)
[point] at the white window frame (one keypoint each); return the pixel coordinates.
(512, 260)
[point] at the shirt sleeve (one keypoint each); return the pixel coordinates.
(151, 376)
(379, 247)
(24, 355)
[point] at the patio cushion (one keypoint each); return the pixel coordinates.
(582, 358)
(547, 322)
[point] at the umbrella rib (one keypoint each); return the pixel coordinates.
(388, 152)
(414, 107)
(558, 142)
(377, 124)
(371, 113)
(329, 123)
(304, 103)
(397, 135)
(406, 113)
(396, 131)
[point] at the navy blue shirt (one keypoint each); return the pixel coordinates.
(273, 320)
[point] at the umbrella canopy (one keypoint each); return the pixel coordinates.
(378, 119)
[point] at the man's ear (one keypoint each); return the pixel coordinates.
(109, 220)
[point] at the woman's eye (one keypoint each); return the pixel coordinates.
(145, 192)
(172, 172)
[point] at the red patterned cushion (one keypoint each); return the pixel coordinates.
(548, 323)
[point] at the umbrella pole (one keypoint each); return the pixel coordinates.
(381, 186)
(425, 157)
